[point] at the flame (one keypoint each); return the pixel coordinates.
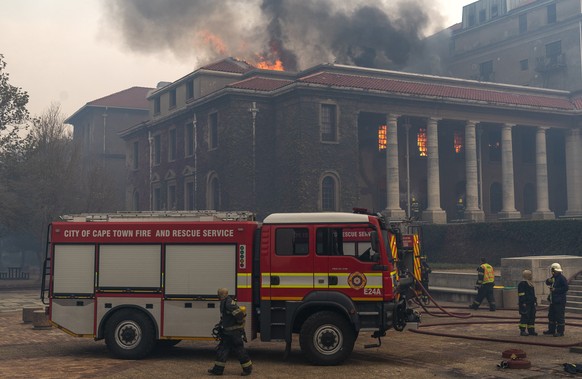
(214, 41)
(277, 65)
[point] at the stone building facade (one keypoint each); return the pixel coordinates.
(231, 137)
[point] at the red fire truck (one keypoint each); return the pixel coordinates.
(139, 280)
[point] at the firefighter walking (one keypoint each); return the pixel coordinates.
(484, 286)
(231, 335)
(527, 304)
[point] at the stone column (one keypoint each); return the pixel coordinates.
(508, 210)
(543, 205)
(472, 211)
(434, 212)
(573, 174)
(393, 210)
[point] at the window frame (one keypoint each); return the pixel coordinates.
(328, 123)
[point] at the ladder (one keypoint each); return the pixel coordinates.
(199, 215)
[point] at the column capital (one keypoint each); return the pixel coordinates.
(508, 125)
(392, 117)
(471, 123)
(433, 120)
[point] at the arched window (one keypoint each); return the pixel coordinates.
(213, 192)
(495, 197)
(329, 193)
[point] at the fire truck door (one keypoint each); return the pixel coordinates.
(291, 264)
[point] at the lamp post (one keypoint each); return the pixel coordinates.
(407, 128)
(254, 110)
(195, 132)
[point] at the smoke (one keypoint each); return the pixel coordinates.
(300, 34)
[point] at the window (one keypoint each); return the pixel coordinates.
(421, 142)
(157, 149)
(524, 65)
(157, 197)
(292, 241)
(213, 131)
(486, 71)
(172, 141)
(172, 196)
(328, 124)
(135, 156)
(329, 193)
(172, 94)
(329, 241)
(189, 139)
(494, 11)
(552, 17)
(554, 51)
(482, 16)
(189, 195)
(471, 20)
(522, 23)
(157, 105)
(213, 192)
(382, 141)
(190, 89)
(494, 145)
(135, 201)
(458, 140)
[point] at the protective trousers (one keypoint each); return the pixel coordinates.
(528, 318)
(556, 317)
(485, 291)
(232, 341)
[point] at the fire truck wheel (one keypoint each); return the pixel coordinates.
(130, 334)
(326, 338)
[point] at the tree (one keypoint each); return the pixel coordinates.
(13, 113)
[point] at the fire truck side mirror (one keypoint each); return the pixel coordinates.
(374, 241)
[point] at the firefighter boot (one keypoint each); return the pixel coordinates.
(475, 306)
(216, 370)
(532, 331)
(247, 368)
(492, 307)
(522, 332)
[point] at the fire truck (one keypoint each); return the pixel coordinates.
(147, 279)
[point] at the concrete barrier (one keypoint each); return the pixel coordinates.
(510, 297)
(27, 313)
(40, 320)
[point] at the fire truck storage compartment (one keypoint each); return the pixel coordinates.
(192, 275)
(130, 267)
(73, 278)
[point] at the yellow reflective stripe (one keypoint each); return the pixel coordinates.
(416, 248)
(521, 294)
(243, 280)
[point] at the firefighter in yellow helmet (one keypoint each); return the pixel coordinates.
(484, 286)
(231, 335)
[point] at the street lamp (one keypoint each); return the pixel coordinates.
(254, 110)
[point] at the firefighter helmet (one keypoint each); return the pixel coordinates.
(556, 267)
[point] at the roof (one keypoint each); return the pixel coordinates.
(229, 65)
(133, 98)
(460, 92)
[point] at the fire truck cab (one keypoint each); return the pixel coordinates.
(147, 279)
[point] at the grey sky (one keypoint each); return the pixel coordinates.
(66, 51)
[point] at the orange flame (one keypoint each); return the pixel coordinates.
(214, 41)
(277, 65)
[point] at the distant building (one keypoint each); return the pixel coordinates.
(524, 42)
(96, 127)
(228, 136)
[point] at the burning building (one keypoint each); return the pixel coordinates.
(230, 136)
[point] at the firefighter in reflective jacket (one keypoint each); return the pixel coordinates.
(484, 286)
(231, 335)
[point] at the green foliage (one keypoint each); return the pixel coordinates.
(13, 113)
(466, 243)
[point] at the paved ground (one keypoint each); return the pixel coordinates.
(30, 353)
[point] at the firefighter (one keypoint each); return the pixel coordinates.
(526, 293)
(415, 209)
(557, 298)
(460, 209)
(231, 335)
(484, 286)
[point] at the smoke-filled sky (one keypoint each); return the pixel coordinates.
(72, 52)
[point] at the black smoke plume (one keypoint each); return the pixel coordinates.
(376, 34)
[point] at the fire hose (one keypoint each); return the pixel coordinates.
(466, 315)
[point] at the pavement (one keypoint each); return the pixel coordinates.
(51, 353)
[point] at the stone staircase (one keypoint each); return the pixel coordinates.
(574, 297)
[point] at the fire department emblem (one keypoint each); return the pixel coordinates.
(357, 280)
